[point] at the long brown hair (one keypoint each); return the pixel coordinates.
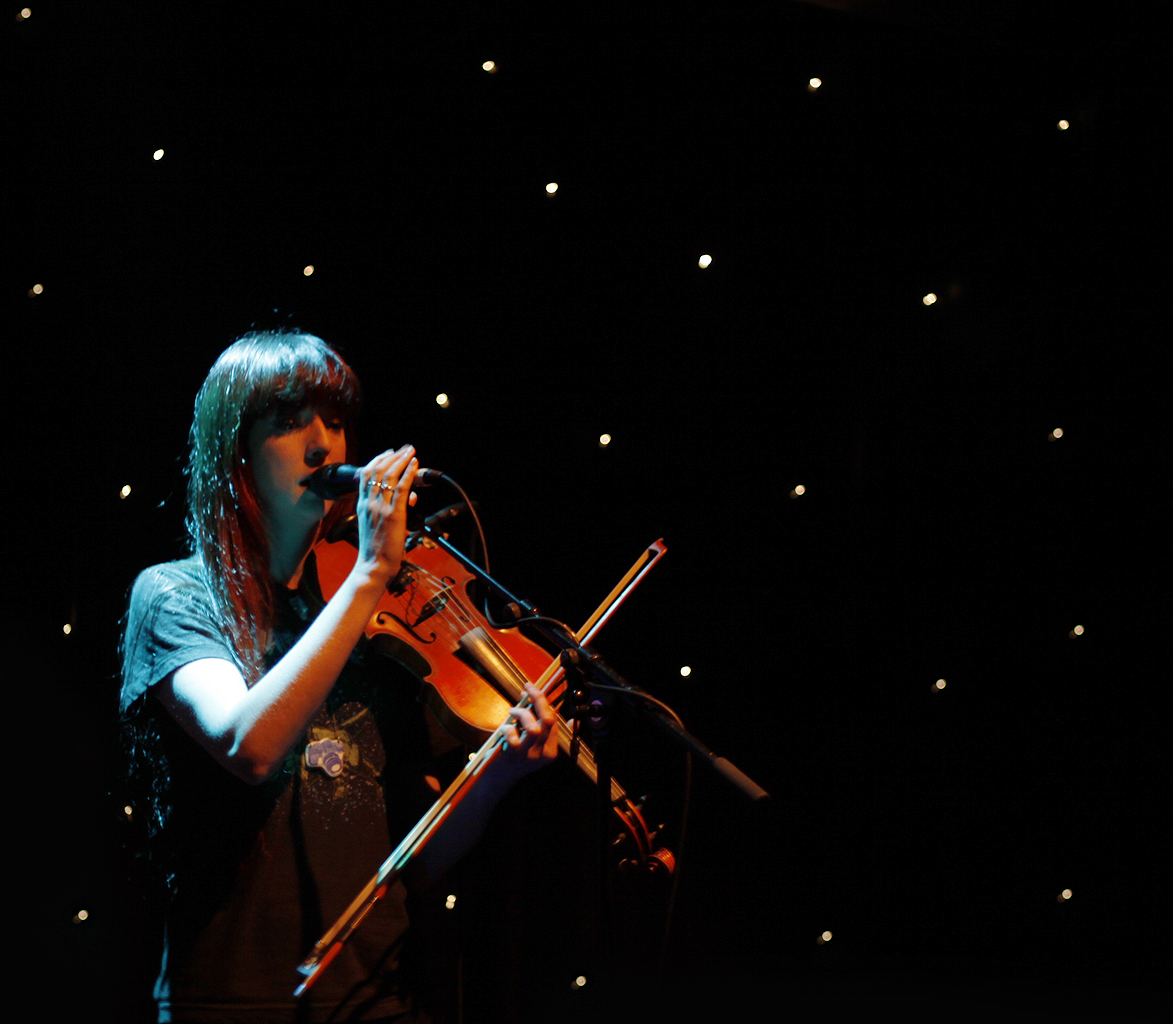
(224, 521)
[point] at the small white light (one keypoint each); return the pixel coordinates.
(579, 981)
(128, 811)
(825, 937)
(929, 299)
(799, 490)
(604, 440)
(125, 491)
(442, 400)
(25, 13)
(552, 187)
(82, 915)
(814, 83)
(158, 154)
(450, 902)
(1064, 125)
(490, 66)
(939, 684)
(308, 270)
(704, 261)
(1077, 631)
(37, 289)
(1064, 895)
(67, 629)
(685, 671)
(1055, 434)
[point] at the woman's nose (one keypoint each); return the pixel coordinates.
(317, 443)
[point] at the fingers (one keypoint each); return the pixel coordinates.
(540, 723)
(533, 732)
(388, 477)
(545, 712)
(384, 495)
(524, 721)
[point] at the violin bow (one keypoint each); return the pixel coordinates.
(331, 943)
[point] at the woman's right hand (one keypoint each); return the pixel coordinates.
(384, 495)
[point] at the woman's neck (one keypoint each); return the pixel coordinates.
(287, 552)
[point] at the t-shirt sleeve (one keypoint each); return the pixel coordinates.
(169, 624)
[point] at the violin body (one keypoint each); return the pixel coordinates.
(472, 673)
(422, 628)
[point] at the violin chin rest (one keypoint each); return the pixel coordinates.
(344, 529)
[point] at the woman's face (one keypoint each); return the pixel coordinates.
(284, 446)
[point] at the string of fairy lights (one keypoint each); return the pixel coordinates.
(41, 291)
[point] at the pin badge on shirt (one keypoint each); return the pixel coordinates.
(326, 754)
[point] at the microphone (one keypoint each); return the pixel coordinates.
(335, 479)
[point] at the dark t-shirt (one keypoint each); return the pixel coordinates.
(262, 871)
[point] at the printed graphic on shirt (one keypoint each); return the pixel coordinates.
(341, 766)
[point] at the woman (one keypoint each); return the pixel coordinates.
(236, 697)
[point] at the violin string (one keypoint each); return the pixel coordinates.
(455, 620)
(453, 615)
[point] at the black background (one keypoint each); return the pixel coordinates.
(942, 534)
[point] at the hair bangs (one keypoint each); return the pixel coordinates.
(296, 370)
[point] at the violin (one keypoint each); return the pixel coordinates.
(472, 673)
